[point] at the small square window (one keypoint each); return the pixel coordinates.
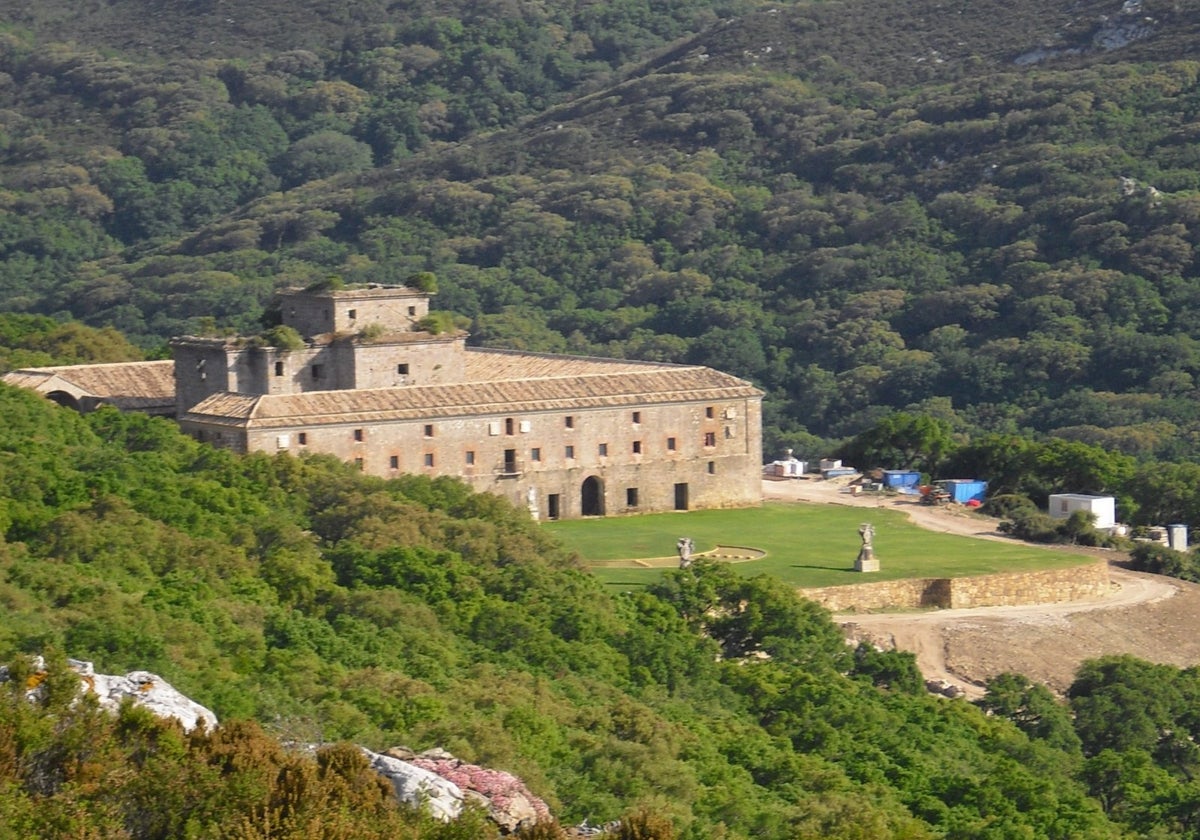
(429, 459)
(708, 412)
(637, 447)
(394, 462)
(352, 313)
(302, 438)
(710, 438)
(535, 454)
(402, 368)
(637, 417)
(569, 422)
(317, 370)
(358, 435)
(412, 310)
(671, 444)
(279, 368)
(569, 452)
(603, 450)
(712, 467)
(631, 497)
(428, 430)
(470, 457)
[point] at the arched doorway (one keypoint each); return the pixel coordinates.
(64, 399)
(591, 497)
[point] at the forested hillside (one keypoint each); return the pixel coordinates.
(327, 605)
(986, 213)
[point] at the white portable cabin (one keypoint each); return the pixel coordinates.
(788, 468)
(1062, 505)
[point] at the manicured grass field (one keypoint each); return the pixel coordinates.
(806, 545)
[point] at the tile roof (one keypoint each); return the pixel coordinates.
(136, 385)
(485, 365)
(579, 383)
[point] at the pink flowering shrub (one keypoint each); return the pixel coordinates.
(498, 787)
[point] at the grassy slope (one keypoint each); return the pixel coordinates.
(806, 545)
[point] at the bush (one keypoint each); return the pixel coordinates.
(1008, 506)
(1160, 560)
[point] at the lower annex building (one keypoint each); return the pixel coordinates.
(564, 436)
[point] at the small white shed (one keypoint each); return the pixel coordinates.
(1104, 508)
(789, 468)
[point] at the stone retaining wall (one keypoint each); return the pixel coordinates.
(1006, 589)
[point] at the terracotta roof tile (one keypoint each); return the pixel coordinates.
(124, 384)
(623, 384)
(484, 365)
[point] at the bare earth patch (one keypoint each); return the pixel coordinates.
(1148, 616)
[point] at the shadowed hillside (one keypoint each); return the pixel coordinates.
(859, 206)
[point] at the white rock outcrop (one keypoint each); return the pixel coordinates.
(152, 693)
(419, 787)
(145, 689)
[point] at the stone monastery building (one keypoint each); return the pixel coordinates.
(565, 436)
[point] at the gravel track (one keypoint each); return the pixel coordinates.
(1148, 616)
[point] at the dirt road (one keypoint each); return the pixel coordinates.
(1146, 615)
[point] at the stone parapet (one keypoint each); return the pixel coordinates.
(1006, 589)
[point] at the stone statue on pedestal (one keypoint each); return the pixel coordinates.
(684, 546)
(866, 561)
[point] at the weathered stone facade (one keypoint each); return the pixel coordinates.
(562, 436)
(1007, 589)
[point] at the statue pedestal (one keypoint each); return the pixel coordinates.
(866, 561)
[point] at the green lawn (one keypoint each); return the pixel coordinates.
(806, 545)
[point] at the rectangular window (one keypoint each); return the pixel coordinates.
(358, 435)
(282, 441)
(631, 497)
(569, 422)
(412, 310)
(670, 444)
(352, 313)
(710, 438)
(317, 370)
(470, 457)
(535, 454)
(428, 430)
(358, 462)
(708, 412)
(402, 368)
(637, 447)
(637, 417)
(429, 459)
(603, 450)
(279, 368)
(394, 462)
(494, 428)
(302, 438)
(526, 427)
(569, 452)
(712, 467)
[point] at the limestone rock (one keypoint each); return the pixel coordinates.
(147, 690)
(418, 786)
(509, 803)
(152, 693)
